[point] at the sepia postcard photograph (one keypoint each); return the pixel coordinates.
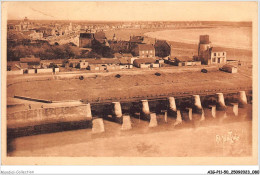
(129, 83)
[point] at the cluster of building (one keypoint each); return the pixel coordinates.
(32, 65)
(64, 32)
(81, 25)
(207, 55)
(40, 30)
(142, 55)
(138, 46)
(147, 48)
(138, 51)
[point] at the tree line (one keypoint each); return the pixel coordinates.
(18, 47)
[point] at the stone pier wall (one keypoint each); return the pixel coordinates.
(47, 115)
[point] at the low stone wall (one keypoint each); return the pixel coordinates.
(47, 115)
(154, 65)
(49, 70)
(56, 69)
(190, 63)
(15, 72)
(31, 71)
(33, 99)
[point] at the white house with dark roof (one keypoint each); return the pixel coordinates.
(208, 54)
(217, 56)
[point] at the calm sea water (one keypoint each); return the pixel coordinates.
(211, 137)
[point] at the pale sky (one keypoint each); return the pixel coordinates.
(129, 11)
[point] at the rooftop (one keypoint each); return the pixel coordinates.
(159, 43)
(55, 61)
(229, 66)
(104, 61)
(146, 47)
(183, 58)
(127, 55)
(217, 49)
(125, 60)
(86, 35)
(136, 39)
(144, 61)
(30, 60)
(96, 61)
(100, 35)
(118, 55)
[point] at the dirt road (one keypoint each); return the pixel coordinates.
(129, 84)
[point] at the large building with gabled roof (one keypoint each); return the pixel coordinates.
(144, 51)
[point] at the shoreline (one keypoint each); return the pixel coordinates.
(153, 35)
(181, 48)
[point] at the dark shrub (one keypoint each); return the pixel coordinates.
(81, 77)
(204, 70)
(118, 76)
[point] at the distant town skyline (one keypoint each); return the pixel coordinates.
(131, 11)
